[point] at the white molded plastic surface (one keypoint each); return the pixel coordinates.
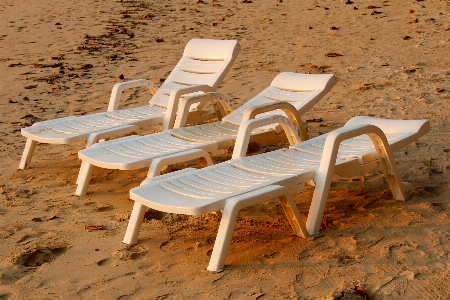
(300, 90)
(196, 192)
(201, 69)
(138, 152)
(138, 212)
(204, 62)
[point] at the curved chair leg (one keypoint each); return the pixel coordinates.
(223, 238)
(134, 225)
(322, 186)
(399, 189)
(137, 215)
(27, 154)
(235, 204)
(84, 176)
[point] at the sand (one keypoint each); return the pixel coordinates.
(61, 58)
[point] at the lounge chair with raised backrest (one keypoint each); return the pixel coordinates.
(361, 145)
(290, 93)
(202, 68)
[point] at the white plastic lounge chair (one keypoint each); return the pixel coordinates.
(201, 69)
(291, 93)
(363, 144)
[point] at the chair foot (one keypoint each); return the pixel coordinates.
(27, 154)
(223, 239)
(84, 176)
(235, 204)
(134, 225)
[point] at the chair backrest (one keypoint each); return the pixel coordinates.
(300, 90)
(399, 134)
(204, 62)
(405, 131)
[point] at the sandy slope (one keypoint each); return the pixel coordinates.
(61, 58)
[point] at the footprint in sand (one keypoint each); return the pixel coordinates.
(38, 256)
(104, 262)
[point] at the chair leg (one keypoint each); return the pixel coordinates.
(223, 239)
(235, 204)
(134, 224)
(319, 199)
(27, 154)
(84, 176)
(79, 172)
(293, 215)
(400, 190)
(325, 172)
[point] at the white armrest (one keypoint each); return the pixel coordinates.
(287, 108)
(158, 163)
(336, 137)
(185, 104)
(322, 177)
(236, 203)
(111, 132)
(119, 87)
(246, 128)
(174, 98)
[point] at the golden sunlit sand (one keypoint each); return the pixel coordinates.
(61, 58)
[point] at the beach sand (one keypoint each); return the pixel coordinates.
(61, 58)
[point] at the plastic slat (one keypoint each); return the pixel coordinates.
(273, 95)
(211, 131)
(202, 66)
(162, 98)
(232, 171)
(149, 146)
(213, 184)
(277, 94)
(169, 86)
(208, 132)
(165, 138)
(232, 178)
(197, 185)
(94, 121)
(291, 158)
(213, 127)
(134, 149)
(175, 187)
(180, 195)
(186, 78)
(144, 112)
(360, 146)
(62, 129)
(217, 178)
(203, 185)
(76, 127)
(91, 123)
(266, 166)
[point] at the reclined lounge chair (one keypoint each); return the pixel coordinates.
(363, 144)
(201, 69)
(291, 93)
